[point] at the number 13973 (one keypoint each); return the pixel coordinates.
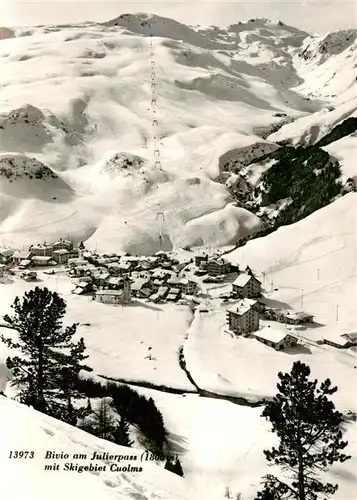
(21, 454)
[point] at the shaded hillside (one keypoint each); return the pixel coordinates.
(308, 177)
(23, 177)
(347, 127)
(286, 185)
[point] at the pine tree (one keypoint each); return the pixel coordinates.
(47, 367)
(121, 433)
(310, 437)
(169, 464)
(102, 422)
(177, 467)
(174, 465)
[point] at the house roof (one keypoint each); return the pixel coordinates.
(21, 254)
(61, 251)
(42, 247)
(243, 279)
(6, 252)
(160, 273)
(25, 262)
(114, 281)
(336, 339)
(162, 290)
(298, 315)
(243, 306)
(186, 281)
(221, 261)
(272, 334)
(173, 281)
(350, 336)
(109, 292)
(124, 265)
(101, 276)
(77, 262)
(61, 242)
(139, 283)
(41, 258)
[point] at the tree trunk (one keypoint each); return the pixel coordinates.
(301, 478)
(40, 403)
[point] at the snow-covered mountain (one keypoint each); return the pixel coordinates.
(85, 100)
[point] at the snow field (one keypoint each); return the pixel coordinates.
(118, 338)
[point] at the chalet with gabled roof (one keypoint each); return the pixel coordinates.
(20, 255)
(62, 244)
(246, 286)
(275, 338)
(42, 250)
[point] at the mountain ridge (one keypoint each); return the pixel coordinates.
(217, 90)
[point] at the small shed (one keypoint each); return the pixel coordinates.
(343, 341)
(275, 338)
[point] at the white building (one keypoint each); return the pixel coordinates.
(20, 255)
(61, 256)
(62, 244)
(244, 318)
(115, 296)
(44, 250)
(273, 337)
(247, 286)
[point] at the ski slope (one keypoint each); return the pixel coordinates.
(71, 98)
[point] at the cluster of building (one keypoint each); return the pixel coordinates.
(42, 255)
(118, 278)
(244, 318)
(213, 266)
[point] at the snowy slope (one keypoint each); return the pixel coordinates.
(316, 255)
(136, 343)
(42, 434)
(310, 266)
(71, 97)
(221, 444)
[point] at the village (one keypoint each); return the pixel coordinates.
(120, 279)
